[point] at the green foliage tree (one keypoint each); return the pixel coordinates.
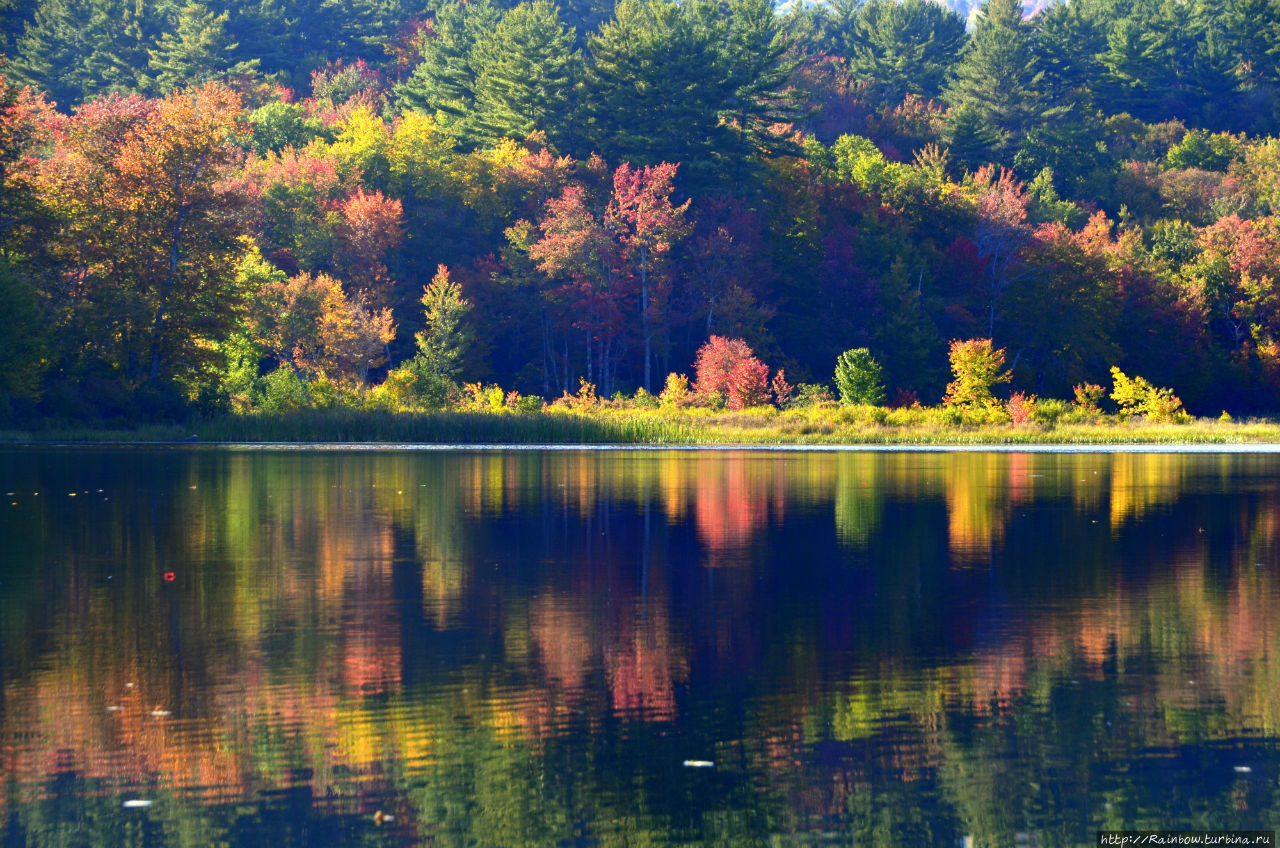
(758, 75)
(976, 367)
(654, 86)
(859, 378)
(277, 125)
(75, 49)
(443, 82)
(22, 345)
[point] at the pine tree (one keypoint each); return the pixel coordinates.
(999, 76)
(655, 84)
(906, 47)
(75, 49)
(758, 72)
(1131, 63)
(1068, 39)
(526, 75)
(196, 50)
(971, 139)
(443, 83)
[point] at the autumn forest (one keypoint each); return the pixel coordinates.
(272, 205)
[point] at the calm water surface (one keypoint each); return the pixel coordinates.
(489, 649)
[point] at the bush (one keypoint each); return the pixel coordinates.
(644, 399)
(1021, 408)
(585, 399)
(782, 390)
(806, 395)
(1049, 411)
(416, 385)
(859, 378)
(977, 367)
(1087, 397)
(729, 368)
(676, 391)
(284, 391)
(1136, 396)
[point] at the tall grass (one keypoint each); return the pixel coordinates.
(444, 428)
(605, 425)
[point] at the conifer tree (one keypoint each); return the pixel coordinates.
(198, 49)
(758, 72)
(443, 83)
(906, 47)
(654, 85)
(526, 75)
(75, 49)
(999, 76)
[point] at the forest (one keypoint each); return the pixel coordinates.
(270, 205)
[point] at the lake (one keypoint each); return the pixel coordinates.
(579, 648)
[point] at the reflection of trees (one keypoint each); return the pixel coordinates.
(502, 659)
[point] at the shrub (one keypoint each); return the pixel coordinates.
(585, 398)
(1136, 396)
(859, 378)
(904, 397)
(1021, 408)
(977, 367)
(480, 398)
(517, 402)
(1087, 397)
(728, 367)
(781, 388)
(416, 384)
(644, 400)
(810, 394)
(676, 391)
(1048, 411)
(284, 391)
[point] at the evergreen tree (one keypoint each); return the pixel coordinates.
(75, 49)
(1068, 40)
(445, 337)
(526, 75)
(196, 50)
(1131, 64)
(906, 47)
(758, 74)
(971, 139)
(655, 84)
(443, 83)
(999, 75)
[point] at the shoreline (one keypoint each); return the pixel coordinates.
(1232, 448)
(612, 429)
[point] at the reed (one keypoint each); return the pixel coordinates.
(622, 426)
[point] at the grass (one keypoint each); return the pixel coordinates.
(821, 426)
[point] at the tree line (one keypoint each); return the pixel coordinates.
(207, 210)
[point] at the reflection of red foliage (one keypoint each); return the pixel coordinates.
(729, 507)
(642, 666)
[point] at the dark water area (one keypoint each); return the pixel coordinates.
(486, 648)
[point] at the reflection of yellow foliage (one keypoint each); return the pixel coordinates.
(1141, 481)
(977, 504)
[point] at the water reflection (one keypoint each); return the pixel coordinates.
(522, 648)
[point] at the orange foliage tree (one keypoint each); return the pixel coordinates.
(149, 238)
